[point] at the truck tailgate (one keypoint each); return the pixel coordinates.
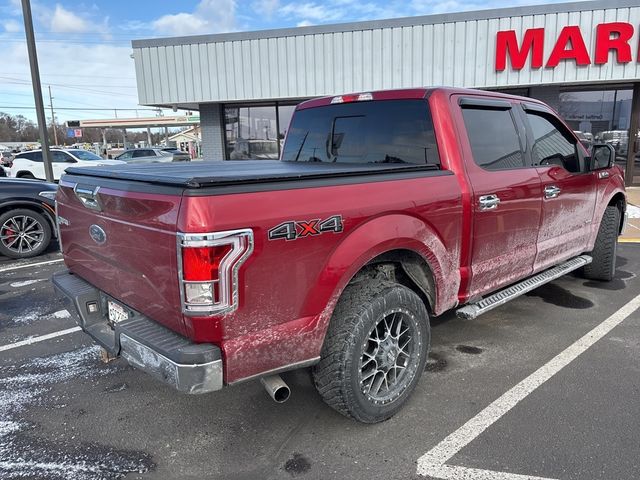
(124, 243)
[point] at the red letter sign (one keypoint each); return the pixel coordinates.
(604, 42)
(507, 43)
(572, 38)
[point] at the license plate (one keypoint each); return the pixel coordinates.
(116, 312)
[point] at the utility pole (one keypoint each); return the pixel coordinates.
(37, 89)
(53, 118)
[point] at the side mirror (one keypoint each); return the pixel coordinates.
(603, 156)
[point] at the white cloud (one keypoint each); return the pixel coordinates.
(65, 21)
(12, 26)
(266, 7)
(209, 16)
(311, 11)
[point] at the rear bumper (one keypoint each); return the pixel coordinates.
(177, 361)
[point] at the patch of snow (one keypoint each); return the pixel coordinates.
(28, 317)
(28, 384)
(61, 314)
(633, 211)
(26, 282)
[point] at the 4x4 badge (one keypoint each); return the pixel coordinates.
(293, 230)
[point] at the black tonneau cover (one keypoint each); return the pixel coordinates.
(221, 173)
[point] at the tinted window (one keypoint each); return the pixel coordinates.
(493, 137)
(143, 153)
(59, 157)
(33, 156)
(390, 131)
(85, 155)
(550, 146)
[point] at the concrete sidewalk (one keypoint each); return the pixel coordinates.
(631, 234)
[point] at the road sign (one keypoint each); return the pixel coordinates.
(71, 132)
(77, 132)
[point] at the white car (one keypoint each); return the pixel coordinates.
(30, 164)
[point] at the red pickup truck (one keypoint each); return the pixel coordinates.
(385, 209)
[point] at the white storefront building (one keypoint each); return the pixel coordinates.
(582, 58)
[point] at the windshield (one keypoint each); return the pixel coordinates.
(389, 131)
(84, 155)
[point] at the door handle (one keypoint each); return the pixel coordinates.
(551, 191)
(489, 202)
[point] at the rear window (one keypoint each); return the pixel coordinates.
(33, 156)
(389, 131)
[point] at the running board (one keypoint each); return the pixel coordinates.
(473, 310)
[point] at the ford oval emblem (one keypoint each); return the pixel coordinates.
(97, 234)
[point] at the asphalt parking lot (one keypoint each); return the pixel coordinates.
(545, 387)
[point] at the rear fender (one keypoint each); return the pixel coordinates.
(368, 241)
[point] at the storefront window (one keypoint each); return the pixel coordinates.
(285, 112)
(251, 132)
(602, 116)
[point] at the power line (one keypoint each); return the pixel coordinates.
(25, 107)
(74, 75)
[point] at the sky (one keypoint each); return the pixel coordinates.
(84, 48)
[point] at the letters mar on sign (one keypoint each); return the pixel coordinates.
(570, 45)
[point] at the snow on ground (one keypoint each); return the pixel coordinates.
(25, 455)
(61, 314)
(633, 211)
(26, 282)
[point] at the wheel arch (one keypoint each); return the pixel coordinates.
(406, 247)
(35, 207)
(619, 200)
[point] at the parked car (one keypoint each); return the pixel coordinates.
(27, 217)
(385, 209)
(153, 155)
(30, 164)
(586, 139)
(6, 159)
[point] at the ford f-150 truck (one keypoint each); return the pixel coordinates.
(384, 210)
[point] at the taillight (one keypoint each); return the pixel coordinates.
(209, 264)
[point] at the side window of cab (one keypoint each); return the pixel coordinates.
(552, 144)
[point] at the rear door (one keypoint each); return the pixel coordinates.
(506, 194)
(569, 190)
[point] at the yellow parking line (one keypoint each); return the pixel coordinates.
(629, 240)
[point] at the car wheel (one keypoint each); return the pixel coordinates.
(375, 351)
(603, 265)
(23, 233)
(26, 175)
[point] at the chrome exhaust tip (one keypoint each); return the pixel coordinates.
(276, 388)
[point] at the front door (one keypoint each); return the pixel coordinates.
(568, 189)
(506, 195)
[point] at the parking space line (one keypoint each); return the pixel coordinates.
(27, 265)
(433, 462)
(41, 338)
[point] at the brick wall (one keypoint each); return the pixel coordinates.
(212, 125)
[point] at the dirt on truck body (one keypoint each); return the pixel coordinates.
(385, 209)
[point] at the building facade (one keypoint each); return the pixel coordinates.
(581, 58)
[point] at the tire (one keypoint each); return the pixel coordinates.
(27, 175)
(358, 326)
(35, 227)
(603, 266)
